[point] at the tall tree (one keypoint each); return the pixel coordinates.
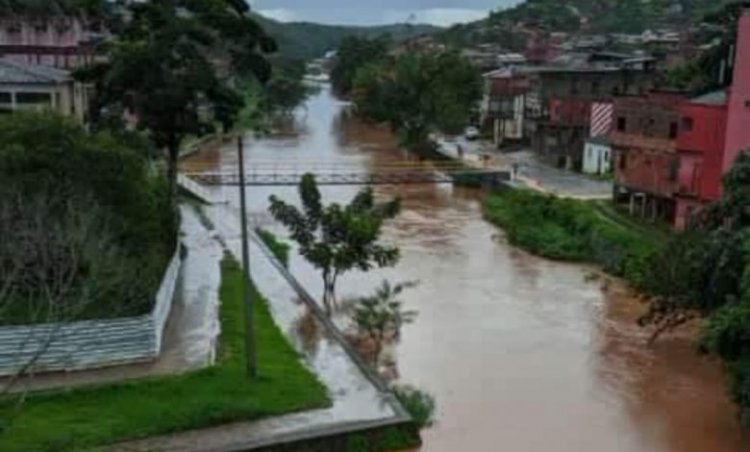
(354, 53)
(337, 239)
(419, 93)
(172, 65)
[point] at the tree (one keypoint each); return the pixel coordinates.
(353, 54)
(419, 93)
(380, 316)
(170, 65)
(337, 239)
(705, 272)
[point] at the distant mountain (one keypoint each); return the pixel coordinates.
(307, 40)
(583, 17)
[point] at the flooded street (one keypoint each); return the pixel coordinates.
(521, 354)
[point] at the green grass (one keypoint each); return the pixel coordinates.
(572, 230)
(94, 416)
(279, 248)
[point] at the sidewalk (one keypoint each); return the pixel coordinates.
(360, 400)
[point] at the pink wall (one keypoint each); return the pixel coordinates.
(56, 42)
(738, 123)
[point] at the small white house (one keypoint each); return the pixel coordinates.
(597, 155)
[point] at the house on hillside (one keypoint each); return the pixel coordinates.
(25, 87)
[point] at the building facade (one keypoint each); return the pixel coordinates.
(32, 87)
(504, 104)
(715, 128)
(644, 142)
(62, 42)
(559, 106)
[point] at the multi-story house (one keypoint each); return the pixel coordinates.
(59, 41)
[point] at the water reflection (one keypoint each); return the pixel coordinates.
(521, 353)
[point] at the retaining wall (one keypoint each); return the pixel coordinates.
(92, 343)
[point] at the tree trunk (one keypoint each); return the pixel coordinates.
(327, 293)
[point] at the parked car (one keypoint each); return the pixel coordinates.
(471, 133)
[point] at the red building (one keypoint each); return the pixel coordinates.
(644, 142)
(715, 128)
(671, 153)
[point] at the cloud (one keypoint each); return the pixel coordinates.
(436, 16)
(364, 16)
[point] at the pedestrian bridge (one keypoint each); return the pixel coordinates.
(392, 174)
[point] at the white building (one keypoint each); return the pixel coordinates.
(25, 86)
(597, 155)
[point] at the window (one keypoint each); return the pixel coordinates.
(673, 130)
(33, 98)
(687, 123)
(5, 97)
(623, 161)
(621, 123)
(606, 157)
(595, 86)
(674, 169)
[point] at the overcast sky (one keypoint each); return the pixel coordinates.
(371, 12)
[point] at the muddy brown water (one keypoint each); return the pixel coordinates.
(522, 354)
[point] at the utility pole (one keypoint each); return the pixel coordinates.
(252, 364)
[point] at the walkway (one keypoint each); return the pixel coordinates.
(360, 400)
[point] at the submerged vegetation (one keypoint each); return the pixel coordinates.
(280, 249)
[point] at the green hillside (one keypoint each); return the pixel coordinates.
(306, 40)
(582, 16)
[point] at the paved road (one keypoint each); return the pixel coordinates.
(540, 176)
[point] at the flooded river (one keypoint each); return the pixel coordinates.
(522, 354)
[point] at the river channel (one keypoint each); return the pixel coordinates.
(522, 354)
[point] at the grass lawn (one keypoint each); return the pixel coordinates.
(99, 415)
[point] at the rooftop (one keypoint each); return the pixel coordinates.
(718, 97)
(25, 74)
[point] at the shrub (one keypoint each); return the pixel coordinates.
(566, 229)
(49, 158)
(419, 404)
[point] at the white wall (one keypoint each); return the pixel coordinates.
(597, 158)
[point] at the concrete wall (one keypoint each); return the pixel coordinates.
(90, 344)
(597, 158)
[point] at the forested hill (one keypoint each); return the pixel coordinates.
(309, 40)
(585, 16)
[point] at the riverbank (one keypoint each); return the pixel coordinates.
(572, 230)
(98, 415)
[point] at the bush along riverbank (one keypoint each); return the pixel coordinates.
(571, 230)
(701, 273)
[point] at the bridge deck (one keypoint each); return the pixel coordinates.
(346, 178)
